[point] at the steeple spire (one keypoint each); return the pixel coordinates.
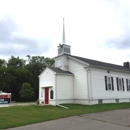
(63, 48)
(63, 38)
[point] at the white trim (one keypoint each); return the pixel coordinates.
(109, 98)
(55, 72)
(111, 69)
(96, 66)
(110, 83)
(120, 86)
(41, 94)
(45, 70)
(73, 89)
(91, 87)
(88, 82)
(127, 87)
(50, 94)
(46, 86)
(84, 63)
(64, 74)
(55, 89)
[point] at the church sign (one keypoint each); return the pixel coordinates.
(5, 98)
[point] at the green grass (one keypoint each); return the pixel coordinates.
(23, 115)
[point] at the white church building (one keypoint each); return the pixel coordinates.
(79, 80)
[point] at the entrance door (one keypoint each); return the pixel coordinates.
(46, 95)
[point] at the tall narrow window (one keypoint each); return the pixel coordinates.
(128, 84)
(51, 94)
(109, 83)
(41, 93)
(120, 84)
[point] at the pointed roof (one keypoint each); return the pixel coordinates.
(101, 64)
(60, 71)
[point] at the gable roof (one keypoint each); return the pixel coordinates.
(101, 64)
(60, 71)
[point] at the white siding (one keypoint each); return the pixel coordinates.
(58, 63)
(64, 88)
(81, 101)
(47, 79)
(52, 102)
(62, 62)
(80, 80)
(98, 85)
(83, 85)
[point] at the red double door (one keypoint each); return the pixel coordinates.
(46, 95)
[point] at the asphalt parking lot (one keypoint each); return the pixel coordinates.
(108, 120)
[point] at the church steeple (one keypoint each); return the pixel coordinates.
(63, 48)
(63, 37)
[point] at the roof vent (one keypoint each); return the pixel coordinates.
(126, 64)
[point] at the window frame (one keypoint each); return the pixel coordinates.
(109, 78)
(41, 93)
(120, 84)
(51, 94)
(120, 87)
(128, 84)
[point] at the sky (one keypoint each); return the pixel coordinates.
(95, 29)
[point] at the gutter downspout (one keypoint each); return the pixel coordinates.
(39, 89)
(56, 88)
(87, 69)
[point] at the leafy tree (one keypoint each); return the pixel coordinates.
(2, 62)
(26, 91)
(17, 71)
(2, 77)
(6, 77)
(36, 64)
(16, 62)
(21, 76)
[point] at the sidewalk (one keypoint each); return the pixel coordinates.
(22, 103)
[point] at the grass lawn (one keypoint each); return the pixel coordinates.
(23, 115)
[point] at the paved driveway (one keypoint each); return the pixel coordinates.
(109, 120)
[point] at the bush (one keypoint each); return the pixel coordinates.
(26, 91)
(37, 101)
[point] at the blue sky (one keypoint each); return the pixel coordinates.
(95, 29)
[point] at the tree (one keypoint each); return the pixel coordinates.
(17, 71)
(16, 62)
(36, 64)
(7, 76)
(2, 77)
(26, 91)
(2, 62)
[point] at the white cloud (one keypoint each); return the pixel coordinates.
(89, 25)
